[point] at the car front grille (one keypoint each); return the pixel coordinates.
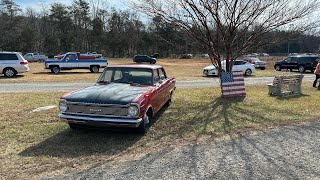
(97, 110)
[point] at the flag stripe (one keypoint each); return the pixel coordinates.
(233, 84)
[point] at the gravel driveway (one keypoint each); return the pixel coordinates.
(61, 86)
(291, 152)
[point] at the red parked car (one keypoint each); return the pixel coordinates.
(124, 96)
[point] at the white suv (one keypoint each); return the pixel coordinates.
(12, 63)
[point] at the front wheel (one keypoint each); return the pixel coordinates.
(302, 69)
(94, 69)
(145, 124)
(248, 72)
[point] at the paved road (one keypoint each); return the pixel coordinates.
(42, 86)
(287, 153)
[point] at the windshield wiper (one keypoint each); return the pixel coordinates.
(103, 82)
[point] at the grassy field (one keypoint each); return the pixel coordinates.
(181, 69)
(35, 144)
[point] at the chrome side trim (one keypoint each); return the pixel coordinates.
(113, 120)
(97, 115)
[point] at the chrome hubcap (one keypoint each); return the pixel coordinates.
(95, 69)
(9, 72)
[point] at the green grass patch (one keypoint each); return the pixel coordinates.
(37, 144)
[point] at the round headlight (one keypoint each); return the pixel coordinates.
(133, 111)
(63, 106)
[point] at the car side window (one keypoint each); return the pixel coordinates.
(293, 60)
(162, 74)
(4, 56)
(156, 77)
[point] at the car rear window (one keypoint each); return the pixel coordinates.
(5, 57)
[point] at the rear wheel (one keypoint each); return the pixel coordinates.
(168, 103)
(55, 69)
(248, 72)
(94, 69)
(9, 72)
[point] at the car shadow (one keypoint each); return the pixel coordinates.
(88, 141)
(18, 76)
(64, 73)
(84, 142)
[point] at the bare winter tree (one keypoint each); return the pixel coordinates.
(230, 28)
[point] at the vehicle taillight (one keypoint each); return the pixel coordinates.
(24, 62)
(253, 62)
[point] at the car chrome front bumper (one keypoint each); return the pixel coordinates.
(101, 121)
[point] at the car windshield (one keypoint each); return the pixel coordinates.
(133, 76)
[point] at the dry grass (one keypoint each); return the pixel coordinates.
(181, 69)
(39, 144)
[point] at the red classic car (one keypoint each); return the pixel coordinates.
(124, 96)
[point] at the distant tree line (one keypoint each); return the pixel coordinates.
(88, 27)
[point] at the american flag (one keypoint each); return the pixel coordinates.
(232, 84)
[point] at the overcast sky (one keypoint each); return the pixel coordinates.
(35, 4)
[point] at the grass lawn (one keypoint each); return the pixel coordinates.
(181, 69)
(34, 144)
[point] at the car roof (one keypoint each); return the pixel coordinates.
(303, 56)
(8, 52)
(148, 66)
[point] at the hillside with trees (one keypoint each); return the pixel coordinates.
(86, 26)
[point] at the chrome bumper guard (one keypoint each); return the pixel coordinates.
(101, 121)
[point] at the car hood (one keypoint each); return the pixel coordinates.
(113, 93)
(210, 67)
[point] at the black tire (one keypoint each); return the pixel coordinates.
(145, 124)
(263, 68)
(248, 72)
(73, 126)
(153, 62)
(94, 69)
(9, 72)
(55, 69)
(277, 68)
(301, 69)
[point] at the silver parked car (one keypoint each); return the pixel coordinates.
(35, 57)
(12, 63)
(256, 62)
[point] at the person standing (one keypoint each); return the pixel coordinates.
(317, 73)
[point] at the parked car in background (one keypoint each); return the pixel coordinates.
(144, 58)
(238, 65)
(258, 64)
(93, 54)
(35, 57)
(12, 63)
(72, 61)
(299, 62)
(50, 56)
(124, 96)
(80, 56)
